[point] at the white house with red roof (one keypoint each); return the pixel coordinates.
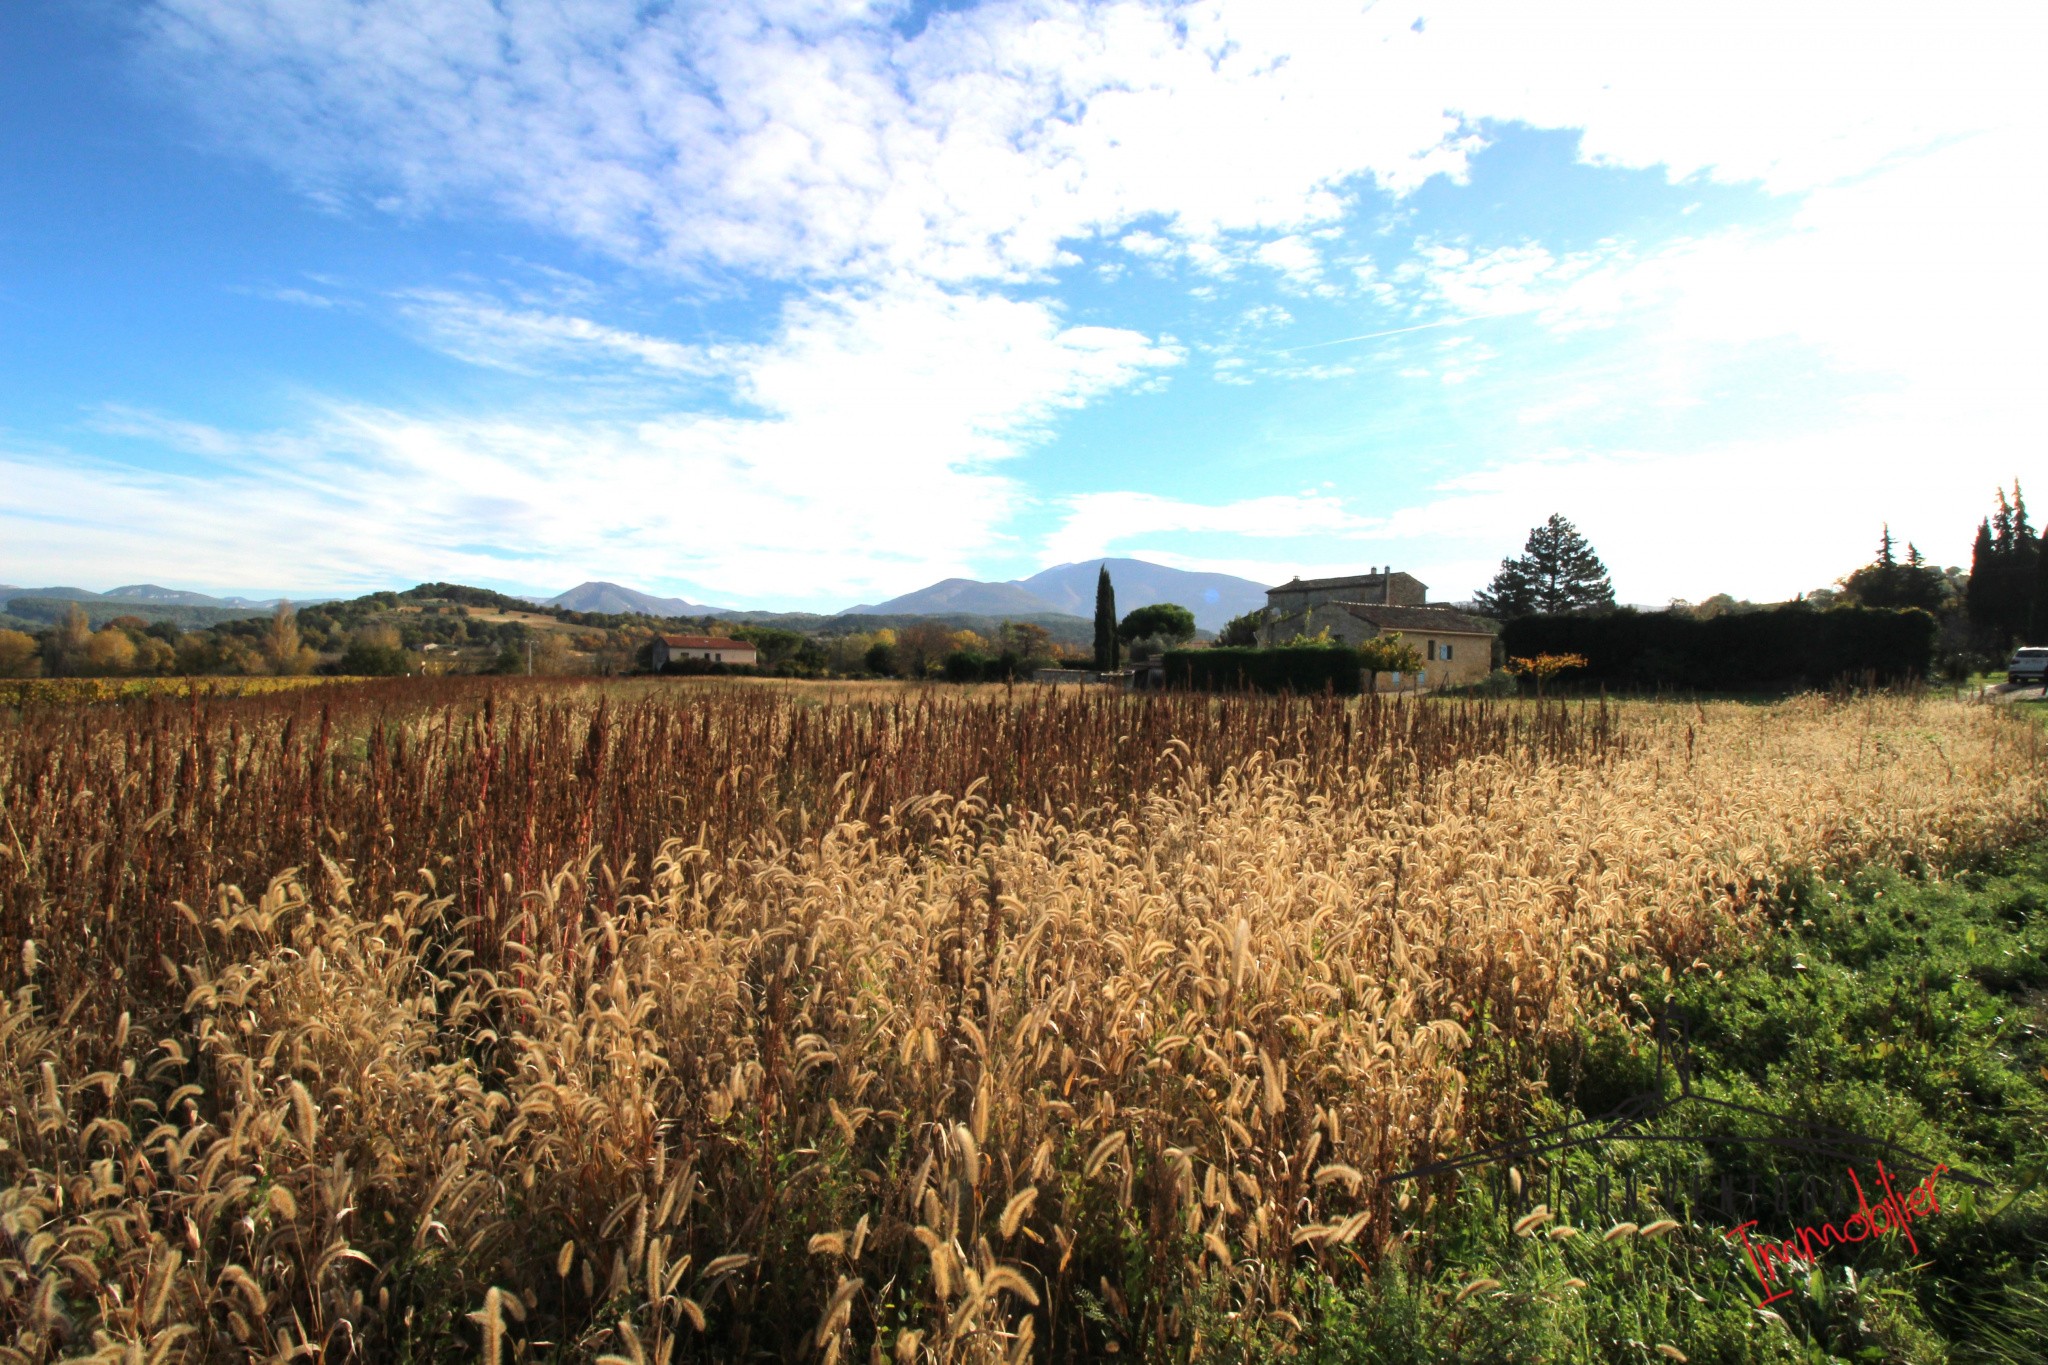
(716, 649)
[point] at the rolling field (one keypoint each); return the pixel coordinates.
(437, 1019)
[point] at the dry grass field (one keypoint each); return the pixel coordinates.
(454, 1018)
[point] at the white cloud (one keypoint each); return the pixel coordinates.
(1792, 96)
(302, 297)
(818, 144)
(483, 331)
(1575, 400)
(905, 182)
(1761, 518)
(1295, 257)
(865, 452)
(1924, 336)
(817, 141)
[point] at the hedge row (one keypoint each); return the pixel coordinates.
(1289, 668)
(969, 665)
(1789, 646)
(708, 668)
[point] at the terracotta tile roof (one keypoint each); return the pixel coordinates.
(703, 642)
(1410, 620)
(1358, 580)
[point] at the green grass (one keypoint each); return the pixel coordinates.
(1911, 1012)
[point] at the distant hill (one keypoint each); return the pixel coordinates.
(1069, 591)
(8, 594)
(150, 592)
(1213, 597)
(41, 609)
(1055, 598)
(965, 595)
(1063, 630)
(139, 594)
(614, 600)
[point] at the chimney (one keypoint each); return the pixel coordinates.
(1387, 586)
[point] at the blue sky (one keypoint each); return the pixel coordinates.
(801, 304)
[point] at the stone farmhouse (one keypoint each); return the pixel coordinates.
(712, 648)
(1456, 647)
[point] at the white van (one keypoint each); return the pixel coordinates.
(2028, 666)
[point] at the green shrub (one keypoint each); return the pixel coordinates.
(372, 661)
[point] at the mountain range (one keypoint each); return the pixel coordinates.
(1069, 589)
(613, 600)
(143, 593)
(1066, 590)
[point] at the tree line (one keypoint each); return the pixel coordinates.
(1154, 628)
(2006, 598)
(1972, 619)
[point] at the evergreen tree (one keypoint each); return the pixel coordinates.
(2039, 634)
(2023, 599)
(1168, 621)
(1884, 582)
(1977, 597)
(2004, 573)
(1557, 573)
(1108, 649)
(1242, 631)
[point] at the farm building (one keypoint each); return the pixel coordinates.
(1456, 647)
(1383, 586)
(715, 649)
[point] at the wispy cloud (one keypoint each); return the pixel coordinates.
(1295, 257)
(863, 450)
(483, 331)
(817, 141)
(915, 200)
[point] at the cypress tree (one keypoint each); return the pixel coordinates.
(2005, 568)
(2039, 633)
(1106, 643)
(1978, 596)
(2023, 593)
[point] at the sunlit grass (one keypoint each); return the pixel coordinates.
(424, 1020)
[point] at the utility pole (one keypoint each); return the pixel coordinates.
(529, 656)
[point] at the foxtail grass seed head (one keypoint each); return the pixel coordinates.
(1479, 1286)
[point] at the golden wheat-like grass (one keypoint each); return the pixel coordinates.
(899, 1081)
